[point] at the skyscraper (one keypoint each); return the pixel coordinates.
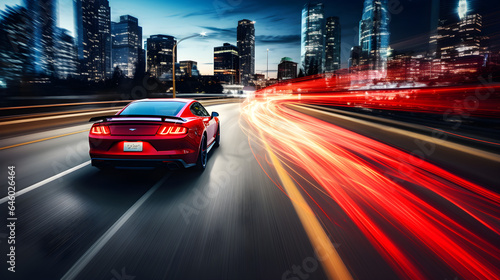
(469, 29)
(332, 44)
(159, 54)
(226, 64)
(246, 49)
(93, 28)
(126, 38)
(65, 57)
(41, 30)
(14, 48)
(374, 34)
(458, 38)
(287, 69)
(312, 39)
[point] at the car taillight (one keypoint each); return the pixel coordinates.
(172, 130)
(100, 130)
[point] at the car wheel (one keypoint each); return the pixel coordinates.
(217, 137)
(201, 164)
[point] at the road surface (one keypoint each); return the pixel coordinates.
(229, 222)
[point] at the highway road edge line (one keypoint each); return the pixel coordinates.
(46, 181)
(331, 261)
(103, 240)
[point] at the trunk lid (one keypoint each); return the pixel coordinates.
(134, 129)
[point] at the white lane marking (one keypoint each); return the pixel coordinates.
(99, 244)
(46, 181)
(58, 117)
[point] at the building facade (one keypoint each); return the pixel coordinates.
(374, 34)
(354, 57)
(332, 44)
(187, 67)
(93, 28)
(226, 64)
(312, 39)
(159, 54)
(460, 45)
(13, 45)
(246, 48)
(65, 57)
(287, 69)
(42, 33)
(126, 38)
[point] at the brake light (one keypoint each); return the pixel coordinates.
(100, 130)
(172, 130)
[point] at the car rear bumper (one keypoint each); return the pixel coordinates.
(130, 163)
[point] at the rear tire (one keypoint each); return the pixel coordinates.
(217, 137)
(201, 163)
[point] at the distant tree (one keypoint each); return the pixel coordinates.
(117, 76)
(301, 73)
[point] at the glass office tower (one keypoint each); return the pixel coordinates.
(312, 39)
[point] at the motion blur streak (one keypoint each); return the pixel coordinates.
(390, 195)
(350, 90)
(330, 259)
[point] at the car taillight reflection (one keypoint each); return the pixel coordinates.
(172, 130)
(100, 130)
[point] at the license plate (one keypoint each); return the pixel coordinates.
(132, 147)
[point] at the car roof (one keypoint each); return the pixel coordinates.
(185, 100)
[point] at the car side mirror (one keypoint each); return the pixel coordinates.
(214, 114)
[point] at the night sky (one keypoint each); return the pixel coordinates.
(277, 24)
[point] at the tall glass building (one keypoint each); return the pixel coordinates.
(226, 64)
(312, 49)
(332, 44)
(246, 49)
(93, 29)
(42, 34)
(159, 54)
(126, 37)
(374, 34)
(65, 58)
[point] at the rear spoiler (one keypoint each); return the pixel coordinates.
(163, 118)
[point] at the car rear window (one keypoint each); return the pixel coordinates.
(154, 108)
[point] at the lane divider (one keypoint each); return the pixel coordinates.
(333, 265)
(103, 240)
(46, 181)
(43, 139)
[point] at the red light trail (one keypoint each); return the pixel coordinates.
(383, 190)
(482, 100)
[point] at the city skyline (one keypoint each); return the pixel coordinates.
(410, 25)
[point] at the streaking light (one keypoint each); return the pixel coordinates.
(384, 191)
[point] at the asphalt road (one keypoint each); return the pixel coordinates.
(229, 222)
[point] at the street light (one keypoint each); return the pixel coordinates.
(267, 71)
(203, 34)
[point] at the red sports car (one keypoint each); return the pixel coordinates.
(155, 132)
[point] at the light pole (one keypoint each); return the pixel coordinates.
(173, 57)
(267, 63)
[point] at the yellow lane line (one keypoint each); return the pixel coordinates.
(40, 140)
(333, 265)
(58, 117)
